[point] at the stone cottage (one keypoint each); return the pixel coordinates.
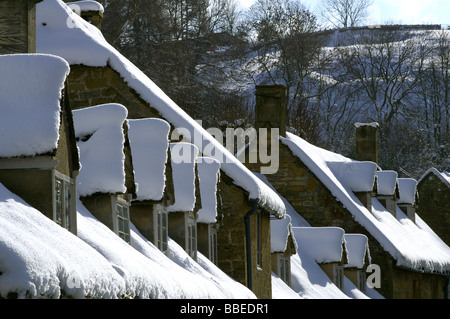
(100, 75)
(434, 201)
(328, 189)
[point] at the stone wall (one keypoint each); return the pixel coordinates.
(231, 239)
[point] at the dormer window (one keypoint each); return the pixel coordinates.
(191, 238)
(63, 196)
(161, 226)
(338, 276)
(122, 225)
(284, 268)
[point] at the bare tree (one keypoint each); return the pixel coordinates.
(345, 13)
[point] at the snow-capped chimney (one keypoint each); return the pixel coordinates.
(18, 26)
(91, 11)
(367, 142)
(270, 110)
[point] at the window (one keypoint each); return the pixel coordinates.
(258, 240)
(213, 245)
(191, 238)
(161, 227)
(362, 278)
(284, 269)
(338, 276)
(63, 200)
(123, 221)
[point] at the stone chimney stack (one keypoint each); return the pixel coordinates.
(367, 142)
(18, 26)
(270, 110)
(91, 11)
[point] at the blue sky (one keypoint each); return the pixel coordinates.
(398, 11)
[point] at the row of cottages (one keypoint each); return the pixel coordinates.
(141, 198)
(199, 195)
(328, 189)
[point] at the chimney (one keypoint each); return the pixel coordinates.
(270, 109)
(91, 11)
(367, 142)
(18, 26)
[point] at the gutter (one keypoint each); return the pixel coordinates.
(248, 242)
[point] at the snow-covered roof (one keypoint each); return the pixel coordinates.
(386, 182)
(280, 229)
(412, 245)
(183, 157)
(101, 141)
(40, 259)
(30, 110)
(443, 176)
(149, 143)
(324, 244)
(82, 43)
(208, 176)
(357, 248)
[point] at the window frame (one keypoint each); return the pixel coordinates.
(284, 268)
(191, 237)
(212, 242)
(161, 227)
(116, 202)
(338, 276)
(66, 205)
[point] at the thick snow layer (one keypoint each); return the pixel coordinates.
(101, 156)
(401, 238)
(149, 143)
(148, 273)
(39, 259)
(357, 248)
(310, 281)
(30, 110)
(358, 176)
(280, 290)
(62, 32)
(407, 190)
(386, 182)
(208, 175)
(443, 176)
(324, 244)
(372, 124)
(279, 233)
(183, 157)
(86, 5)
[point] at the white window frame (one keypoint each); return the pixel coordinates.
(338, 276)
(118, 203)
(64, 206)
(161, 227)
(191, 237)
(212, 241)
(284, 268)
